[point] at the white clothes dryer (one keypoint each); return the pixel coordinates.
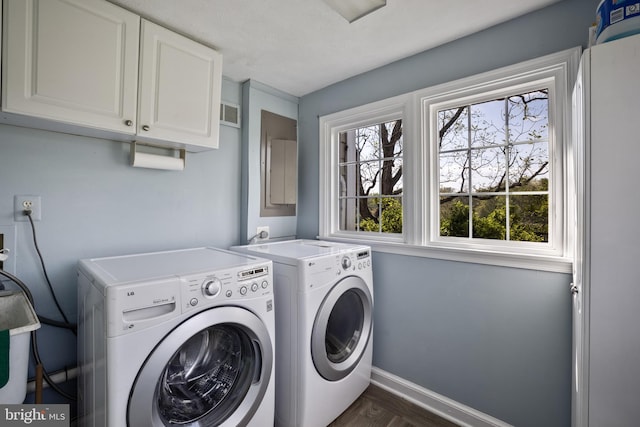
(324, 307)
(176, 338)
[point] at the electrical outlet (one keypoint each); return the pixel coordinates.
(21, 203)
(260, 229)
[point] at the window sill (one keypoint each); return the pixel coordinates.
(500, 259)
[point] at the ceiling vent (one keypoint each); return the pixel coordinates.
(230, 114)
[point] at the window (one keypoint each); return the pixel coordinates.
(472, 170)
(370, 168)
(362, 172)
(494, 168)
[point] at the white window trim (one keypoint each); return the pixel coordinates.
(418, 171)
(430, 104)
(330, 128)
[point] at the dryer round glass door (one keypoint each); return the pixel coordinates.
(342, 328)
(215, 376)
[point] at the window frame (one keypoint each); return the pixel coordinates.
(430, 106)
(330, 128)
(420, 235)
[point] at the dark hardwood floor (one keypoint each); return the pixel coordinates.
(379, 408)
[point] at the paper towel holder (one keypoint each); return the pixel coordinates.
(140, 159)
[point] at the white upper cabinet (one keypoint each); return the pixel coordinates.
(92, 68)
(179, 92)
(71, 61)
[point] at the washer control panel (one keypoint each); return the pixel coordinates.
(238, 283)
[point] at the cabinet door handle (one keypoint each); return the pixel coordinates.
(145, 127)
(128, 122)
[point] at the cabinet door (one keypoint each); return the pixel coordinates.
(179, 94)
(73, 61)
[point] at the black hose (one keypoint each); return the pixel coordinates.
(44, 269)
(45, 374)
(43, 319)
(58, 324)
(18, 282)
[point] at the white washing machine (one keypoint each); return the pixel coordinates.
(324, 307)
(176, 338)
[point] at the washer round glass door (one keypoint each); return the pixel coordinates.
(215, 376)
(342, 328)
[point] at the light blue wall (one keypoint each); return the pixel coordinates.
(255, 98)
(94, 204)
(496, 339)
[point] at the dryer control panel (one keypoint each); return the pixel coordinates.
(323, 270)
(356, 260)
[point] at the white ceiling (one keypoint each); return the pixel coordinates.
(299, 46)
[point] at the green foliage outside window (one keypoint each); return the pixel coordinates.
(390, 219)
(528, 217)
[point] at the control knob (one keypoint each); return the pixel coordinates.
(212, 287)
(346, 262)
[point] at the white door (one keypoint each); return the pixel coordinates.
(213, 369)
(180, 84)
(342, 328)
(72, 61)
(614, 341)
(580, 288)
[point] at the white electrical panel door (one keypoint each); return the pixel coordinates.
(283, 171)
(179, 94)
(72, 61)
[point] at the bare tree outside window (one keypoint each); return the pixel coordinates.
(485, 176)
(494, 169)
(371, 178)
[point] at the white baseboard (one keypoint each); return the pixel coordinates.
(433, 402)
